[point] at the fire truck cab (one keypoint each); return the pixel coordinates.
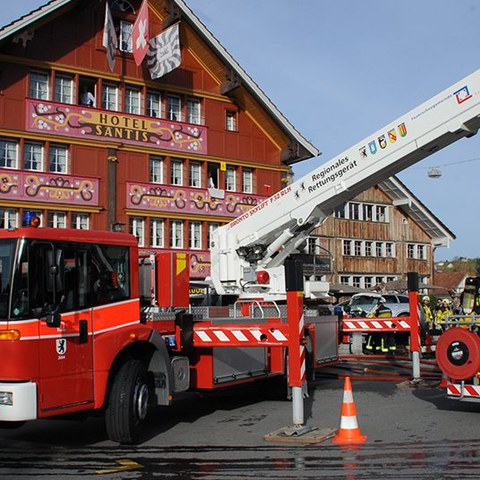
(70, 329)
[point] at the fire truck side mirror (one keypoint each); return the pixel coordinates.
(53, 320)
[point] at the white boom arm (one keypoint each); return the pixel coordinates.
(262, 238)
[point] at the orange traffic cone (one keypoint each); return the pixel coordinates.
(349, 431)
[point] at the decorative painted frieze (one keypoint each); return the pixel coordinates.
(86, 122)
(170, 198)
(47, 187)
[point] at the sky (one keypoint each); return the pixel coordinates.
(340, 70)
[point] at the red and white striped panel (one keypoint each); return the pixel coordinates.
(303, 352)
(239, 336)
(369, 325)
(459, 390)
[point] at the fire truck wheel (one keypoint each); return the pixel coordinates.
(458, 353)
(128, 403)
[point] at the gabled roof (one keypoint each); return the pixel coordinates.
(308, 149)
(404, 199)
(449, 281)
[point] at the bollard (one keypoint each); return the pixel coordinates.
(412, 278)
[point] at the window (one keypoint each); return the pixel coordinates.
(137, 228)
(174, 108)
(39, 85)
(193, 111)
(381, 213)
(93, 275)
(344, 280)
(195, 174)
(368, 249)
(57, 220)
(354, 211)
(247, 180)
(81, 221)
(347, 247)
(340, 212)
(313, 245)
(357, 248)
(8, 154)
(64, 88)
(416, 251)
(231, 120)
(8, 218)
(157, 233)
(133, 100)
(379, 280)
(87, 87)
(38, 214)
(379, 249)
(176, 234)
(195, 235)
(389, 249)
(33, 156)
(110, 97)
(357, 281)
(176, 170)
(211, 228)
(58, 159)
(368, 212)
(156, 169)
(154, 104)
(368, 281)
(230, 179)
(126, 36)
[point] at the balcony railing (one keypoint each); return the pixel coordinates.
(48, 187)
(200, 201)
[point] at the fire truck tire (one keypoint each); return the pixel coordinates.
(128, 403)
(458, 353)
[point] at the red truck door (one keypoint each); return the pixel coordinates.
(66, 363)
(60, 278)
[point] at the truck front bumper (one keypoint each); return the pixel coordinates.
(18, 401)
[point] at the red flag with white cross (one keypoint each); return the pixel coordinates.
(140, 35)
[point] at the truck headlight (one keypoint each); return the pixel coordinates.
(6, 399)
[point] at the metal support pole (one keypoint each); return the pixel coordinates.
(296, 353)
(414, 324)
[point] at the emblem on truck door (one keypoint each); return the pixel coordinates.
(61, 344)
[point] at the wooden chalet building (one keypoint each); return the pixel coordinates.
(379, 236)
(168, 159)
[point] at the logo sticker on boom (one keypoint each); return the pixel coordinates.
(462, 95)
(382, 142)
(402, 130)
(392, 135)
(373, 147)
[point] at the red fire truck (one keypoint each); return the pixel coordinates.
(74, 335)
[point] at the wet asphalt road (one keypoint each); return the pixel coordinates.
(412, 434)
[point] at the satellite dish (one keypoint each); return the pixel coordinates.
(434, 172)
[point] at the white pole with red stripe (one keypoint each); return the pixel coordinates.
(296, 351)
(412, 279)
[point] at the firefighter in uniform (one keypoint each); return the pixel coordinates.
(381, 342)
(428, 312)
(444, 311)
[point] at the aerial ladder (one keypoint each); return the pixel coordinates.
(248, 254)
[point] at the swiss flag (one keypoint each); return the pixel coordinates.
(140, 35)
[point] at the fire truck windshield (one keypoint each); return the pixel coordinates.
(7, 254)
